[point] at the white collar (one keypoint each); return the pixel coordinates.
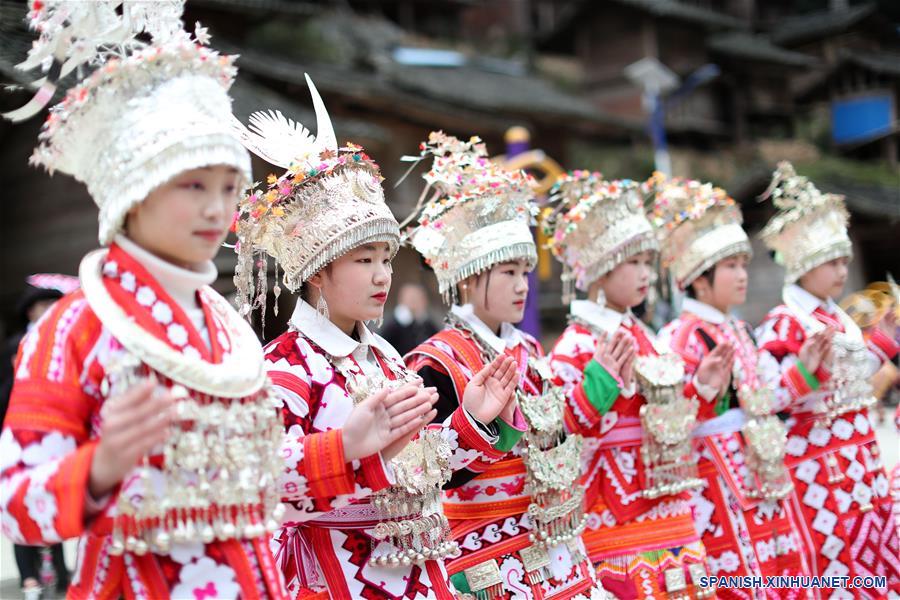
(509, 337)
(182, 284)
(807, 302)
(329, 336)
(601, 317)
(705, 311)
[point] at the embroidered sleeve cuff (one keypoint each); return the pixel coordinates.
(376, 472)
(600, 388)
(799, 380)
(488, 431)
(71, 484)
(327, 472)
(882, 345)
(706, 392)
(510, 433)
(470, 437)
(810, 379)
(630, 391)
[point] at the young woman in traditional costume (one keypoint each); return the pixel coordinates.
(747, 527)
(516, 511)
(363, 520)
(819, 364)
(626, 395)
(140, 420)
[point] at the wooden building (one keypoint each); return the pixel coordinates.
(383, 99)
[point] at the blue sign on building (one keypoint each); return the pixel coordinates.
(861, 118)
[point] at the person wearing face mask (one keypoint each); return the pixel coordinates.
(363, 482)
(747, 526)
(516, 512)
(819, 363)
(140, 420)
(626, 394)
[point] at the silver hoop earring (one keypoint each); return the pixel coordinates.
(601, 298)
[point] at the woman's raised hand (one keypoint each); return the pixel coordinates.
(715, 368)
(133, 423)
(386, 417)
(492, 390)
(816, 350)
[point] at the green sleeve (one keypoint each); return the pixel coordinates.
(600, 388)
(460, 583)
(811, 380)
(723, 403)
(508, 436)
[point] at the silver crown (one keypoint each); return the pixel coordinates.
(810, 227)
(698, 225)
(328, 202)
(478, 215)
(597, 225)
(147, 112)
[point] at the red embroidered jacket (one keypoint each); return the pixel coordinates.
(780, 337)
(618, 427)
(327, 538)
(622, 522)
(693, 337)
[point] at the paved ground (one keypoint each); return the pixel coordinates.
(9, 575)
(9, 580)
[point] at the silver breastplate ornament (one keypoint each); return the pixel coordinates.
(215, 476)
(411, 517)
(552, 462)
(765, 436)
(849, 386)
(848, 389)
(667, 419)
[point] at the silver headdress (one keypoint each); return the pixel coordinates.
(596, 225)
(328, 202)
(698, 224)
(478, 214)
(810, 227)
(146, 113)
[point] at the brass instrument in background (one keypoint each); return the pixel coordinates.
(867, 308)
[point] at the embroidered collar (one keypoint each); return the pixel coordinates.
(509, 337)
(149, 304)
(181, 284)
(147, 321)
(803, 305)
(807, 302)
(705, 311)
(329, 337)
(601, 317)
